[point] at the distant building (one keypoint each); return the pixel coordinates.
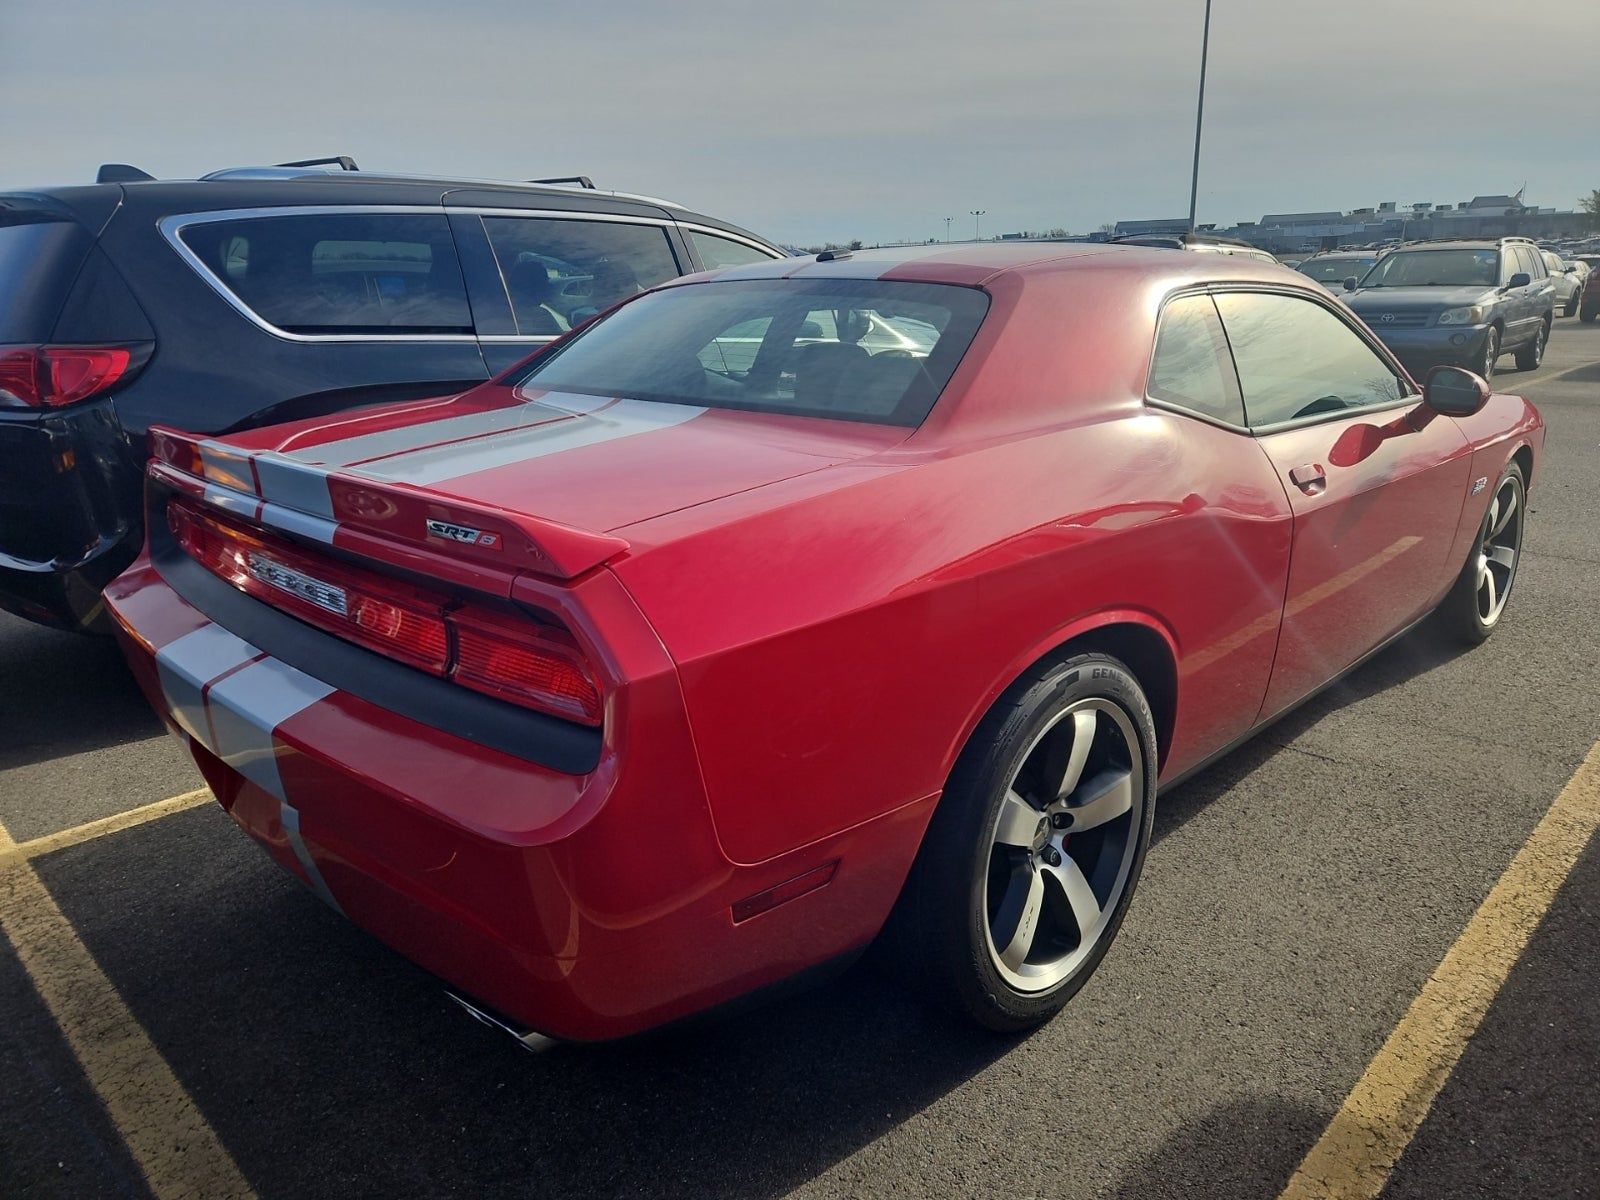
(1168, 225)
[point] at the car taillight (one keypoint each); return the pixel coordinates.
(55, 376)
(512, 658)
(542, 667)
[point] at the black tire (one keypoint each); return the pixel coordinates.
(939, 933)
(1572, 305)
(1461, 614)
(1530, 356)
(1588, 315)
(1490, 352)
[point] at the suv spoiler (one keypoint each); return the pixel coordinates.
(399, 523)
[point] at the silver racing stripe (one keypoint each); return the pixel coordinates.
(294, 484)
(367, 447)
(622, 419)
(187, 664)
(290, 817)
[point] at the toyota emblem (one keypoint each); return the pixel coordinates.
(1387, 318)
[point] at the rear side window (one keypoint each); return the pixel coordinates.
(1297, 360)
(339, 273)
(861, 350)
(39, 257)
(559, 273)
(718, 252)
(1191, 368)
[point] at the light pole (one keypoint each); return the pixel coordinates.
(947, 221)
(976, 214)
(1199, 117)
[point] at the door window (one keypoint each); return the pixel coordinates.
(339, 273)
(717, 252)
(1191, 369)
(1297, 360)
(559, 273)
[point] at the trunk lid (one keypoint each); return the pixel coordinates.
(510, 478)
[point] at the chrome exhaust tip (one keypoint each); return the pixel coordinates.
(528, 1039)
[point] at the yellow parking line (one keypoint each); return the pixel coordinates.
(168, 1137)
(1359, 1149)
(116, 823)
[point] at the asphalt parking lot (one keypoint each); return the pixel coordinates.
(1300, 894)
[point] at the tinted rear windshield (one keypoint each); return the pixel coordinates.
(39, 257)
(859, 350)
(339, 273)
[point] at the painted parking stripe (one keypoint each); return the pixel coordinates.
(1361, 1145)
(626, 418)
(168, 1136)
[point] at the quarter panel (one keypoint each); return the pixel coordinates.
(837, 648)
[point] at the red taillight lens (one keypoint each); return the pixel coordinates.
(509, 657)
(537, 666)
(54, 376)
(392, 618)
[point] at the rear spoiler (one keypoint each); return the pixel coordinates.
(386, 520)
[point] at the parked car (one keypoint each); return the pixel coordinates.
(1205, 243)
(1589, 303)
(265, 294)
(1460, 302)
(1332, 268)
(630, 681)
(1567, 281)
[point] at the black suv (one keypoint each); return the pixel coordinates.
(259, 295)
(1462, 303)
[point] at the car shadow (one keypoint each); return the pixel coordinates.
(65, 693)
(1417, 653)
(1244, 1148)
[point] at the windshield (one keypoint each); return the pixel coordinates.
(1436, 268)
(861, 350)
(1326, 270)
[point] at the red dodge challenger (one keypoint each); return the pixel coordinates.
(807, 601)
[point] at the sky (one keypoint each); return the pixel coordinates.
(809, 120)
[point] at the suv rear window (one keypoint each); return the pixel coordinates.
(860, 350)
(343, 273)
(559, 273)
(39, 257)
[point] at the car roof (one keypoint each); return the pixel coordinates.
(275, 187)
(974, 264)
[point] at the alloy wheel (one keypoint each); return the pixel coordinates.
(1491, 351)
(1499, 549)
(1063, 844)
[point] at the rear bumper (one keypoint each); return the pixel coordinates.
(69, 513)
(582, 906)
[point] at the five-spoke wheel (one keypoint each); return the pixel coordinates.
(1474, 605)
(1063, 844)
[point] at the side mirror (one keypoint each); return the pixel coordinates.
(1350, 283)
(1455, 391)
(1520, 279)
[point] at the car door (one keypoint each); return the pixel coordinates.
(554, 271)
(1527, 301)
(1376, 489)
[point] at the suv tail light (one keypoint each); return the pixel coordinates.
(515, 659)
(55, 376)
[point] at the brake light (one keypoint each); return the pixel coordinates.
(541, 666)
(55, 376)
(509, 657)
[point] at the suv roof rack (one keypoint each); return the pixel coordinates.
(582, 181)
(1179, 240)
(343, 161)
